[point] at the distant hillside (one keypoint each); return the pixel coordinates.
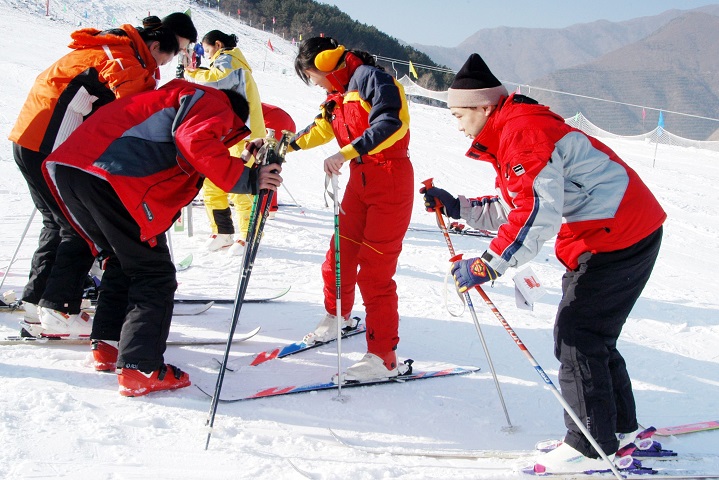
(524, 54)
(676, 68)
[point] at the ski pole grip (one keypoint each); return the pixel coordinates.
(456, 258)
(429, 183)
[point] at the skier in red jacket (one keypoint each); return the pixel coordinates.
(121, 179)
(366, 112)
(553, 179)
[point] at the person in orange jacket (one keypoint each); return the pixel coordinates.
(102, 66)
(366, 112)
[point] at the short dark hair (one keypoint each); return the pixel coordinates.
(239, 104)
(181, 25)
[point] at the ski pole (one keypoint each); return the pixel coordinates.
(548, 382)
(169, 247)
(22, 238)
(274, 154)
(440, 222)
(188, 214)
(338, 286)
(290, 194)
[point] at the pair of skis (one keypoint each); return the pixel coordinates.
(297, 347)
(633, 471)
(315, 387)
(183, 307)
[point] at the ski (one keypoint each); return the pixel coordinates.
(10, 307)
(179, 310)
(219, 301)
(446, 454)
(631, 473)
(540, 448)
(298, 347)
(636, 472)
(293, 389)
(54, 341)
(687, 428)
(646, 447)
(196, 309)
(458, 229)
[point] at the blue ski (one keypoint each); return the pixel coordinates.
(298, 347)
(292, 389)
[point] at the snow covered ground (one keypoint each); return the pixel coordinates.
(60, 419)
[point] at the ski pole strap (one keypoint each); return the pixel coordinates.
(330, 192)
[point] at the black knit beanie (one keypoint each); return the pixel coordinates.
(475, 85)
(181, 25)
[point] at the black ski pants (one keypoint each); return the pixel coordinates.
(138, 285)
(60, 265)
(597, 299)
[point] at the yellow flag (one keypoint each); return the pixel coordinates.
(412, 70)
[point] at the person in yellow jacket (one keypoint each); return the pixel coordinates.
(228, 69)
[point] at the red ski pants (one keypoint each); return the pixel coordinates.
(376, 210)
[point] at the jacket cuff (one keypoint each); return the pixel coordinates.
(495, 261)
(248, 182)
(349, 152)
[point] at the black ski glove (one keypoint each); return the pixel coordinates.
(436, 196)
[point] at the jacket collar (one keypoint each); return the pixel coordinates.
(340, 78)
(487, 140)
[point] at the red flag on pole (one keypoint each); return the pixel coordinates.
(269, 44)
(273, 20)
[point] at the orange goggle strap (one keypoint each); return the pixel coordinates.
(327, 60)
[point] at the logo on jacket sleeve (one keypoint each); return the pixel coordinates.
(148, 212)
(518, 169)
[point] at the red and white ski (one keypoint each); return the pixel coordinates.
(687, 428)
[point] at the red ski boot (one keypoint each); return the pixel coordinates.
(134, 383)
(105, 356)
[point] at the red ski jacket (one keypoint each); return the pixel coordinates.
(555, 180)
(368, 116)
(154, 148)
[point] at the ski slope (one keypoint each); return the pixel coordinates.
(60, 419)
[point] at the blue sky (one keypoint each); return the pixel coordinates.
(449, 22)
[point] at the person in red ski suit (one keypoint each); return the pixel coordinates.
(553, 179)
(366, 112)
(121, 180)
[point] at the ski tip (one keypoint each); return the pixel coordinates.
(184, 264)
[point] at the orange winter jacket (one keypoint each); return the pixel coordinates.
(103, 66)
